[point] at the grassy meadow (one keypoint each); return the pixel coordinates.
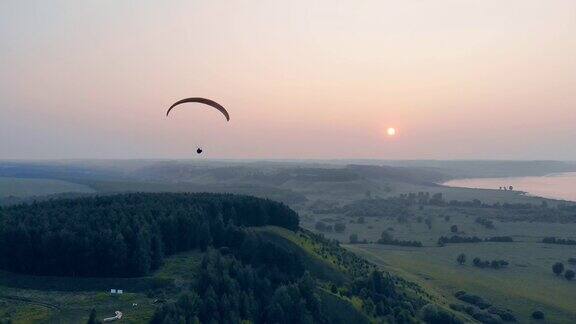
(526, 285)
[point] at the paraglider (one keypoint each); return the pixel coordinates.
(204, 101)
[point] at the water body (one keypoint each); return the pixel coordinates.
(556, 186)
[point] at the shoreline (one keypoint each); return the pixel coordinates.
(556, 186)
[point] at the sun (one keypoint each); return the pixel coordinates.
(391, 131)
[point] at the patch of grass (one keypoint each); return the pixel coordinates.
(73, 298)
(181, 266)
(23, 313)
(528, 284)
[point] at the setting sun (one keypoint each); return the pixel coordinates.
(391, 131)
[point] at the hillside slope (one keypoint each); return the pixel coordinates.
(244, 268)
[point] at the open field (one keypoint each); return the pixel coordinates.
(24, 187)
(527, 284)
(69, 300)
(412, 230)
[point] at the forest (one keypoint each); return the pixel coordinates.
(125, 235)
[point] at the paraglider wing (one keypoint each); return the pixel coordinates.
(205, 101)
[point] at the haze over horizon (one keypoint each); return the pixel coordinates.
(323, 79)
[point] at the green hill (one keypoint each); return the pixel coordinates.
(250, 262)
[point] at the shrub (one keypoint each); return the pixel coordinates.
(554, 240)
(494, 264)
(538, 315)
(504, 314)
(458, 239)
(339, 227)
(461, 258)
(485, 222)
(353, 238)
(569, 274)
(433, 314)
(428, 222)
(558, 268)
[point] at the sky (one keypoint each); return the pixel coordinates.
(458, 79)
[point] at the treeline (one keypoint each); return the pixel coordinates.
(561, 241)
(387, 239)
(126, 235)
(472, 239)
(543, 212)
(458, 239)
(494, 264)
(505, 239)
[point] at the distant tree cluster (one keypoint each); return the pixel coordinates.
(558, 269)
(443, 240)
(485, 222)
(504, 239)
(554, 240)
(482, 310)
(477, 262)
(494, 264)
(381, 298)
(428, 222)
(513, 211)
(387, 239)
(461, 259)
(126, 235)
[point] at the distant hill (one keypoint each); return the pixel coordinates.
(489, 168)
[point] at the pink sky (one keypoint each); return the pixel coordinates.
(301, 79)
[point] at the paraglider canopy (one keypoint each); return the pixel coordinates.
(205, 101)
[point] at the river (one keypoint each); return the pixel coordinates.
(556, 186)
